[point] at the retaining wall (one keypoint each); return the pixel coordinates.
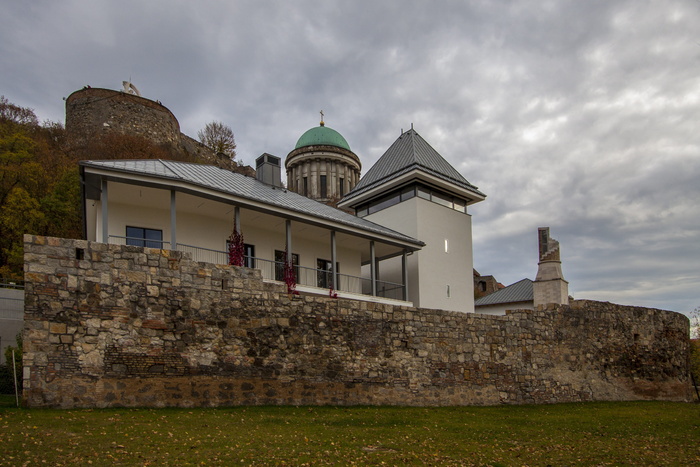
(111, 325)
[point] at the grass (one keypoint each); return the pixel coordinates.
(625, 433)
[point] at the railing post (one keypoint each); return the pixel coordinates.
(105, 213)
(173, 221)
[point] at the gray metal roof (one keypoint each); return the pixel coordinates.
(520, 291)
(224, 181)
(410, 151)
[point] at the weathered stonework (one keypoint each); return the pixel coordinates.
(92, 112)
(128, 326)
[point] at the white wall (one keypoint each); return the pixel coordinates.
(500, 309)
(433, 269)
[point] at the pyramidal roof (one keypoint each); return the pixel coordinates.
(410, 152)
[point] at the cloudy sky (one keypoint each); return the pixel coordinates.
(580, 116)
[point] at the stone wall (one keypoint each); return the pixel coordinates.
(109, 325)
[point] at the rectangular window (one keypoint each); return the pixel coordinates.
(324, 276)
(324, 186)
(341, 187)
(279, 266)
(385, 202)
(423, 193)
(306, 186)
(444, 200)
(140, 236)
(408, 193)
(249, 256)
(460, 205)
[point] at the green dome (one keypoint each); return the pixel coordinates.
(322, 135)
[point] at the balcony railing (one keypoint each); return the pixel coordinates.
(274, 270)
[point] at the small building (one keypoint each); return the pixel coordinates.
(549, 285)
(414, 190)
(517, 296)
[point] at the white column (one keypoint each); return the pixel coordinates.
(173, 220)
(334, 258)
(373, 267)
(105, 215)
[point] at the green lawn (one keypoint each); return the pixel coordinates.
(628, 433)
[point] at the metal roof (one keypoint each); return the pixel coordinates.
(520, 291)
(410, 151)
(224, 181)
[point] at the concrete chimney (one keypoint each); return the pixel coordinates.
(268, 170)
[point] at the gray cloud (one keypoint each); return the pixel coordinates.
(576, 115)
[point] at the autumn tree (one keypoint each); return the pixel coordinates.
(39, 185)
(218, 137)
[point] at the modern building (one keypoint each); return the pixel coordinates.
(414, 190)
(410, 240)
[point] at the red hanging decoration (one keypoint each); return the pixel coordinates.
(289, 277)
(236, 249)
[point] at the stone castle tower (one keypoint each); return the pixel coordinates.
(322, 166)
(93, 113)
(549, 285)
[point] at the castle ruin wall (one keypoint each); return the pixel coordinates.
(123, 326)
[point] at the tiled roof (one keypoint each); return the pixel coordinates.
(224, 181)
(521, 291)
(410, 151)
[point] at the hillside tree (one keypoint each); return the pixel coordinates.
(218, 137)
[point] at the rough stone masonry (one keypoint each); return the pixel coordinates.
(110, 325)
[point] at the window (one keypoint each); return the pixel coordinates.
(279, 266)
(140, 236)
(306, 186)
(408, 193)
(411, 191)
(341, 187)
(324, 276)
(324, 186)
(248, 255)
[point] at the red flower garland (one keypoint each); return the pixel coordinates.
(236, 249)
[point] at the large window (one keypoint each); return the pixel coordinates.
(140, 236)
(406, 193)
(324, 275)
(279, 265)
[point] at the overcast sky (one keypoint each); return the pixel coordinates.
(577, 115)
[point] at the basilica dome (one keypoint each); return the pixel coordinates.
(322, 136)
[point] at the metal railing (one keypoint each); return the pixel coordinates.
(274, 270)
